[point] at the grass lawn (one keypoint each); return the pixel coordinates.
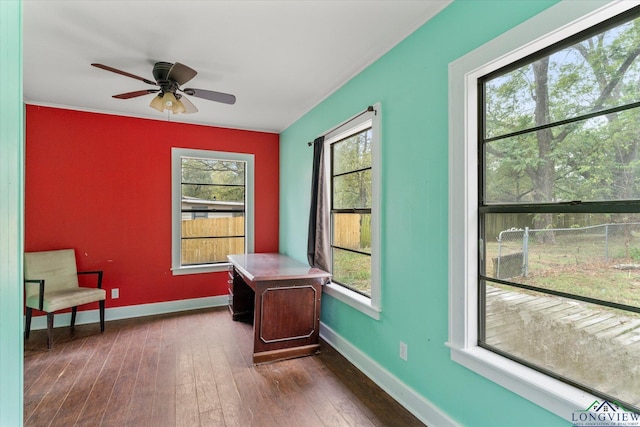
(578, 265)
(353, 270)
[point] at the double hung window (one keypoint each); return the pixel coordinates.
(559, 208)
(351, 210)
(352, 162)
(210, 203)
(544, 263)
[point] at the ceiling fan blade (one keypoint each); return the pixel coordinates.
(124, 73)
(188, 105)
(136, 93)
(181, 73)
(225, 98)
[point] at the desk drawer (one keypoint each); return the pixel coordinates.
(241, 297)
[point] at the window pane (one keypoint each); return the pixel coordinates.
(209, 251)
(591, 255)
(588, 344)
(352, 270)
(210, 171)
(221, 225)
(592, 160)
(352, 231)
(575, 80)
(352, 190)
(352, 153)
(211, 193)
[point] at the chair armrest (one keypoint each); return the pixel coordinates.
(41, 293)
(98, 272)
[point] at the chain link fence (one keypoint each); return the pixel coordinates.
(521, 250)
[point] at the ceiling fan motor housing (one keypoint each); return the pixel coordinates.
(160, 74)
(161, 70)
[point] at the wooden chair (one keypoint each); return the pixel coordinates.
(51, 284)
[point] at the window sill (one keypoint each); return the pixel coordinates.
(353, 299)
(197, 269)
(556, 396)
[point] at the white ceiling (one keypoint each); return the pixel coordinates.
(280, 58)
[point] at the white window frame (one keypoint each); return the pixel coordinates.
(369, 306)
(176, 206)
(552, 25)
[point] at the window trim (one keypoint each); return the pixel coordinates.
(369, 306)
(176, 197)
(550, 26)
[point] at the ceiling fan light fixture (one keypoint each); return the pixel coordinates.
(157, 103)
(167, 101)
(178, 107)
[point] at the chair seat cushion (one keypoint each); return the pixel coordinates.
(57, 300)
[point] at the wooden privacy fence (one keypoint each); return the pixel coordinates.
(208, 240)
(352, 231)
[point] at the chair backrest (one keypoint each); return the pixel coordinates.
(57, 268)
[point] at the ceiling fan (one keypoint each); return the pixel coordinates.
(169, 77)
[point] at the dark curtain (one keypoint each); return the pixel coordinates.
(318, 242)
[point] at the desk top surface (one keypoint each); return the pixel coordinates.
(273, 266)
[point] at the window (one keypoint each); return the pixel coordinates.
(559, 208)
(351, 211)
(352, 159)
(545, 208)
(212, 202)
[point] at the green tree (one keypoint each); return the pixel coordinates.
(593, 159)
(352, 171)
(213, 179)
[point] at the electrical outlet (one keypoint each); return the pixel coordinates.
(115, 293)
(403, 351)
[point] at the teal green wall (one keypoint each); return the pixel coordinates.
(411, 81)
(11, 212)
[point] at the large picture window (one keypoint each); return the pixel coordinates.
(211, 208)
(545, 208)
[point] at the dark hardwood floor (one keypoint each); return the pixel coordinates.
(191, 369)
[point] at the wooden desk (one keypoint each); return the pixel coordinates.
(284, 297)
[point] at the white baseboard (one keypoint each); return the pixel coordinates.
(420, 407)
(127, 312)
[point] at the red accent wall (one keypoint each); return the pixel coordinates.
(101, 184)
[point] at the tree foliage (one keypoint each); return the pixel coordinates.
(209, 179)
(352, 171)
(536, 153)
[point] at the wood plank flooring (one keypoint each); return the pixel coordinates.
(191, 369)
